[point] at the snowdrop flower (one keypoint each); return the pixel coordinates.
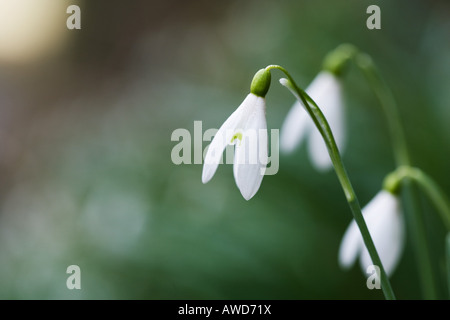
(386, 226)
(246, 129)
(325, 90)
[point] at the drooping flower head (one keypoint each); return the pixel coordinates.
(384, 219)
(246, 129)
(326, 91)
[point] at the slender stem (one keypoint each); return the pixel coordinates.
(402, 158)
(325, 130)
(389, 106)
(442, 205)
(440, 201)
(419, 239)
(431, 189)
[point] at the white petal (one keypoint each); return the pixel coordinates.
(325, 90)
(251, 155)
(318, 152)
(294, 127)
(223, 137)
(351, 246)
(386, 226)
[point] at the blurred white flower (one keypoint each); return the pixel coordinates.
(325, 90)
(246, 128)
(384, 220)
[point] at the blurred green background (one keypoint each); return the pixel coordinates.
(86, 118)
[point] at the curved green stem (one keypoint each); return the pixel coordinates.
(325, 130)
(430, 188)
(402, 158)
(435, 193)
(407, 175)
(389, 106)
(419, 239)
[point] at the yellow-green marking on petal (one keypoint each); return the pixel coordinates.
(237, 135)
